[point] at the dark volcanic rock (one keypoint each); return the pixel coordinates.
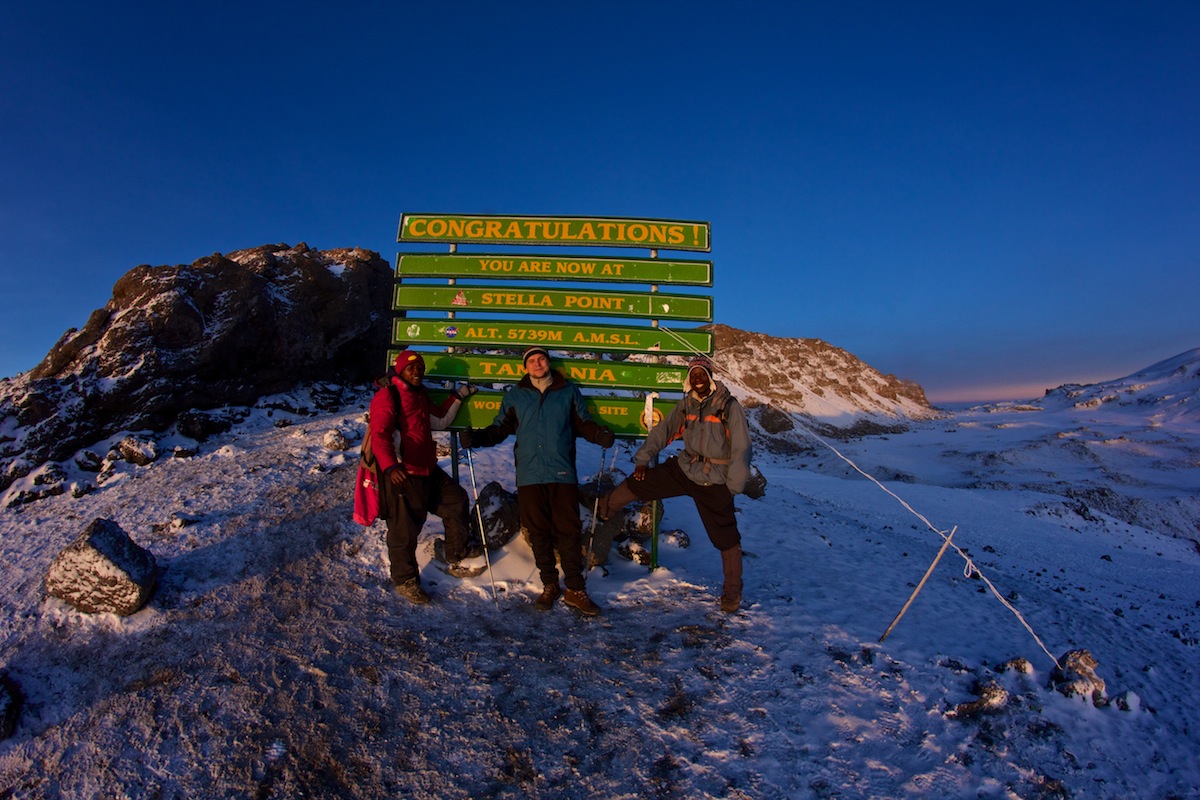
(222, 331)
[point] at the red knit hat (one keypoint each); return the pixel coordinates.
(407, 357)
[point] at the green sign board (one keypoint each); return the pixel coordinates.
(598, 374)
(532, 299)
(625, 415)
(561, 231)
(553, 336)
(566, 268)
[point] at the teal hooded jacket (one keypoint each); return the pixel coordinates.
(546, 425)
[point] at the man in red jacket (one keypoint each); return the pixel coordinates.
(402, 421)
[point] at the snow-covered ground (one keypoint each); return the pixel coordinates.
(275, 662)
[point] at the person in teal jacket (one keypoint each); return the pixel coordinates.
(547, 412)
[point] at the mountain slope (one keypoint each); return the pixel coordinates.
(274, 662)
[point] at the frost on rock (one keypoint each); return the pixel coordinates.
(103, 571)
(1077, 677)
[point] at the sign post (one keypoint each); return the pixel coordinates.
(609, 336)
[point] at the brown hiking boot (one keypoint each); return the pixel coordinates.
(578, 598)
(411, 590)
(731, 601)
(545, 600)
(731, 592)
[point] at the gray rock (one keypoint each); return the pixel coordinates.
(1077, 677)
(501, 519)
(103, 571)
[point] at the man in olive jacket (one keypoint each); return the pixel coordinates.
(713, 467)
(546, 412)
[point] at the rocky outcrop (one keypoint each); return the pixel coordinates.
(222, 331)
(812, 376)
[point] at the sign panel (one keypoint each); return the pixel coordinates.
(535, 300)
(570, 231)
(625, 415)
(598, 374)
(553, 336)
(566, 268)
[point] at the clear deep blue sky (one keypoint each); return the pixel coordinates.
(987, 198)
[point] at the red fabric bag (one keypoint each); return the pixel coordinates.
(366, 496)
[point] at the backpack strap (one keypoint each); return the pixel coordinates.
(366, 457)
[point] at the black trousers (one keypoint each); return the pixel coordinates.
(714, 503)
(407, 507)
(550, 512)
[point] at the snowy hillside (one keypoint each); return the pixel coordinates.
(1171, 388)
(274, 662)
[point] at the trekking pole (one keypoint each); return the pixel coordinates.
(596, 505)
(479, 516)
(595, 510)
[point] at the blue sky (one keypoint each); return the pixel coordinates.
(990, 199)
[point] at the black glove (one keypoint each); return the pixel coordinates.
(464, 438)
(605, 437)
(465, 391)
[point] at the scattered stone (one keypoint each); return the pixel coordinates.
(103, 571)
(992, 699)
(137, 450)
(200, 425)
(1017, 664)
(1077, 678)
(88, 461)
(335, 440)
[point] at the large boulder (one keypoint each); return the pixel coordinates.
(222, 331)
(497, 507)
(103, 571)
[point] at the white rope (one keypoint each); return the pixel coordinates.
(969, 567)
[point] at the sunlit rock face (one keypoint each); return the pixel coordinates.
(221, 331)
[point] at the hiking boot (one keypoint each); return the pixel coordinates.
(472, 551)
(731, 591)
(731, 601)
(545, 600)
(411, 590)
(578, 598)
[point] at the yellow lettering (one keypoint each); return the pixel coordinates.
(414, 225)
